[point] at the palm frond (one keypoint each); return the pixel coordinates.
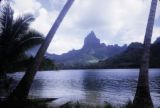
(30, 39)
(21, 25)
(6, 20)
(32, 34)
(15, 35)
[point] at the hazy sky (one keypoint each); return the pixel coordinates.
(114, 21)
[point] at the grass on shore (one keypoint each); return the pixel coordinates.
(106, 105)
(24, 104)
(41, 104)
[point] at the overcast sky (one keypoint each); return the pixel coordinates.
(113, 21)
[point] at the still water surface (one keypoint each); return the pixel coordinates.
(116, 86)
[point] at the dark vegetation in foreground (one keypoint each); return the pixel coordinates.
(44, 104)
(106, 105)
(46, 64)
(23, 104)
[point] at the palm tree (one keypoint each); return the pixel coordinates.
(142, 97)
(22, 90)
(15, 38)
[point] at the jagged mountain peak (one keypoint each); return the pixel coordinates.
(92, 34)
(91, 41)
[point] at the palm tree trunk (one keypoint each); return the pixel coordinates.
(22, 90)
(142, 97)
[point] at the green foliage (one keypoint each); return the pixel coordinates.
(83, 105)
(24, 104)
(46, 64)
(15, 37)
(129, 104)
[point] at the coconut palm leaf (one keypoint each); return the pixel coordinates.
(31, 34)
(28, 40)
(6, 20)
(21, 25)
(15, 36)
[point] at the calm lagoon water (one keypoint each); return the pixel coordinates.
(116, 86)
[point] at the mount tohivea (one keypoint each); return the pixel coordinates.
(92, 52)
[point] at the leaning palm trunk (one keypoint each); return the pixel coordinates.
(142, 97)
(22, 90)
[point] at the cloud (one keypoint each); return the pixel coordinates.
(29, 6)
(114, 21)
(41, 22)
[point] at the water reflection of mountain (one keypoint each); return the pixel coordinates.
(108, 85)
(92, 81)
(93, 87)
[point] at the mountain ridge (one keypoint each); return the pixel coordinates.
(91, 52)
(131, 57)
